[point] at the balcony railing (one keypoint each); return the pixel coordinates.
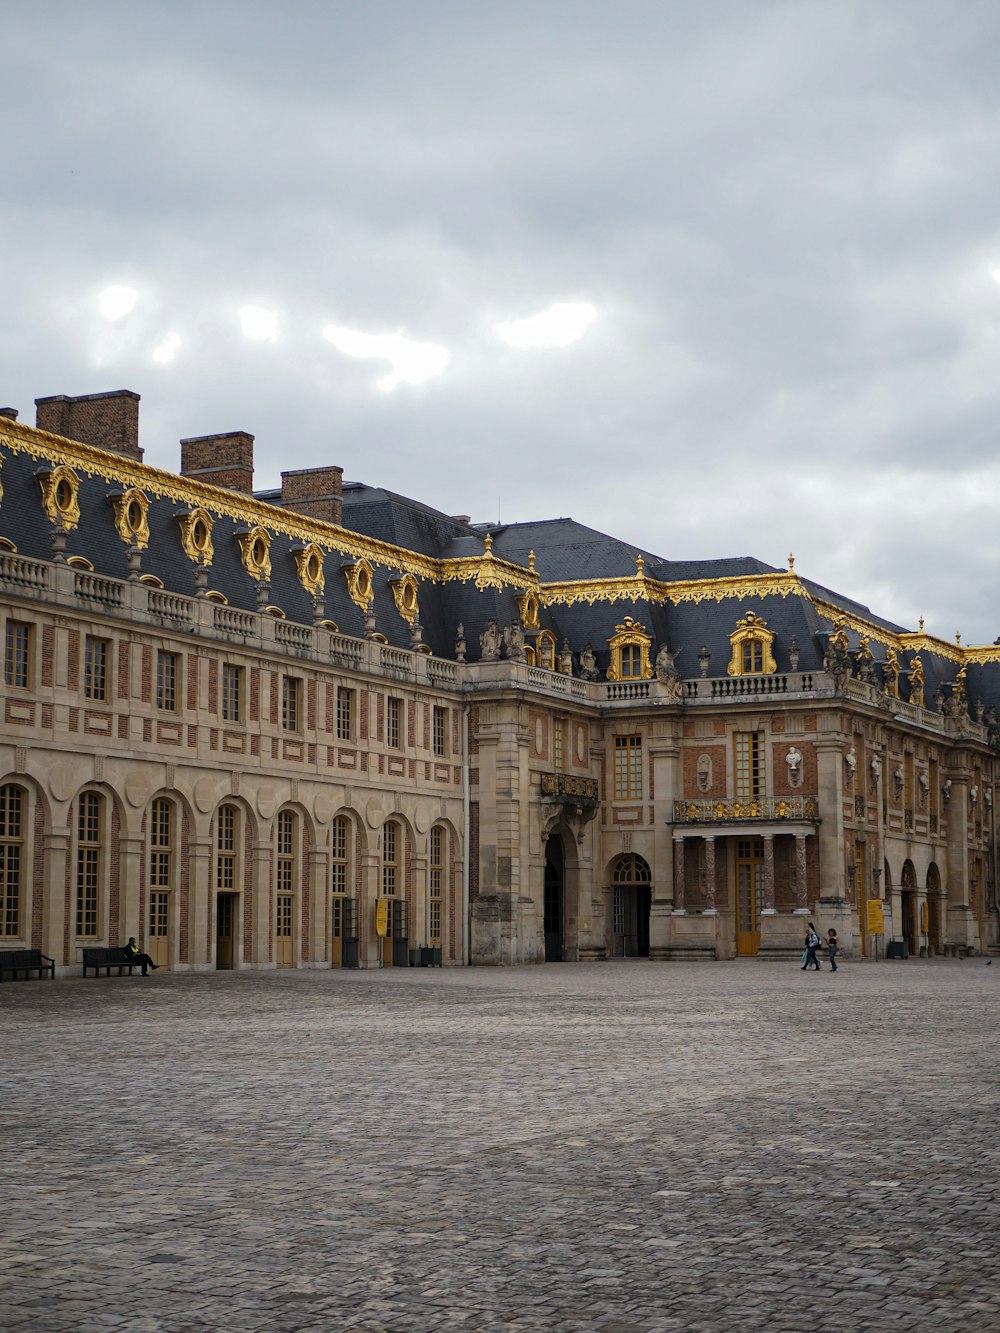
(765, 809)
(751, 687)
(572, 790)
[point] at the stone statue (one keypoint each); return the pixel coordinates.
(917, 683)
(565, 659)
(460, 644)
(667, 673)
(588, 664)
(489, 642)
(513, 639)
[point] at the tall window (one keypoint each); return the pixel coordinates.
(390, 859)
(285, 878)
(752, 656)
(631, 662)
(628, 768)
(95, 669)
(161, 821)
(11, 859)
(558, 745)
(438, 730)
(166, 682)
(17, 655)
(291, 702)
(226, 837)
(340, 851)
(435, 885)
(88, 862)
(749, 765)
(392, 723)
(232, 692)
(345, 708)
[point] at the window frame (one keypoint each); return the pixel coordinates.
(18, 654)
(96, 668)
(166, 680)
(628, 784)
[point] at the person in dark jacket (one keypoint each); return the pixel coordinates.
(832, 948)
(812, 944)
(135, 955)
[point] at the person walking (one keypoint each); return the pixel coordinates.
(832, 948)
(135, 955)
(813, 942)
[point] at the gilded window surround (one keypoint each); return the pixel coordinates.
(360, 582)
(196, 535)
(404, 594)
(132, 516)
(630, 634)
(309, 567)
(255, 551)
(750, 629)
(60, 487)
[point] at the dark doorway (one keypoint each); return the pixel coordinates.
(225, 931)
(553, 908)
(643, 900)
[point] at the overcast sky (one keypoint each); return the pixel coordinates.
(717, 278)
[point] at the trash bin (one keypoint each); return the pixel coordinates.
(896, 949)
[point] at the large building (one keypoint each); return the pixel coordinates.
(331, 726)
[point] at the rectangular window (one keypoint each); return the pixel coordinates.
(232, 692)
(631, 662)
(88, 863)
(159, 915)
(558, 745)
(166, 682)
(17, 655)
(435, 886)
(628, 768)
(338, 855)
(11, 860)
(291, 694)
(225, 850)
(753, 657)
(285, 858)
(345, 709)
(438, 731)
(749, 765)
(160, 840)
(392, 723)
(95, 669)
(389, 860)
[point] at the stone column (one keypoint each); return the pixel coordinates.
(801, 887)
(829, 781)
(262, 924)
(679, 877)
(768, 872)
(194, 947)
(58, 907)
(710, 876)
(369, 944)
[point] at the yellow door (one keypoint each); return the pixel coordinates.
(749, 895)
(337, 932)
(283, 955)
(158, 934)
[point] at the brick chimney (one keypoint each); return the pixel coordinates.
(9, 412)
(104, 420)
(220, 460)
(315, 492)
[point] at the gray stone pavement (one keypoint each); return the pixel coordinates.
(625, 1147)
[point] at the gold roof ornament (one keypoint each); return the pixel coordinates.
(60, 495)
(131, 508)
(255, 551)
(752, 632)
(405, 595)
(309, 567)
(196, 535)
(360, 582)
(629, 647)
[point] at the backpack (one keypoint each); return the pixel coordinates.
(812, 940)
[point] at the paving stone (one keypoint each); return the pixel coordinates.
(624, 1147)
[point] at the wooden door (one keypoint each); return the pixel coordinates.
(225, 931)
(749, 895)
(158, 933)
(283, 941)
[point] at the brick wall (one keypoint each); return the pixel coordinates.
(104, 420)
(316, 492)
(220, 460)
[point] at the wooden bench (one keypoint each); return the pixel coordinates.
(106, 959)
(17, 962)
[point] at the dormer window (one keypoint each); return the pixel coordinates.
(752, 648)
(630, 652)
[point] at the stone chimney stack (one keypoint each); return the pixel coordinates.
(220, 460)
(103, 420)
(315, 492)
(9, 412)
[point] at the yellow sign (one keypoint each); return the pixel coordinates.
(382, 917)
(876, 918)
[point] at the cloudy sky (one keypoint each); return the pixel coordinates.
(720, 278)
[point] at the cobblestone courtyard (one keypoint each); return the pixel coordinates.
(625, 1147)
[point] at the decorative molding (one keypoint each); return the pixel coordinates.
(360, 582)
(752, 629)
(404, 594)
(630, 634)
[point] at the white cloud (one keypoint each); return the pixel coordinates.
(167, 349)
(117, 301)
(259, 324)
(563, 323)
(412, 362)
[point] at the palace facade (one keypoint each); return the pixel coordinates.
(331, 726)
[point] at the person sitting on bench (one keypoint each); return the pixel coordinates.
(135, 956)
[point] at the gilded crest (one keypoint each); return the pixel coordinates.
(255, 551)
(309, 567)
(752, 644)
(360, 582)
(404, 594)
(630, 652)
(196, 535)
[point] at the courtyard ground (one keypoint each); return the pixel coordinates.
(623, 1147)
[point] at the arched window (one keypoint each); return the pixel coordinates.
(629, 647)
(751, 643)
(227, 849)
(12, 860)
(89, 853)
(340, 857)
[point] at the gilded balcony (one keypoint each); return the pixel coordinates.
(762, 810)
(567, 789)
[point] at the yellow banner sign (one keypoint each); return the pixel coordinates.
(381, 916)
(876, 916)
